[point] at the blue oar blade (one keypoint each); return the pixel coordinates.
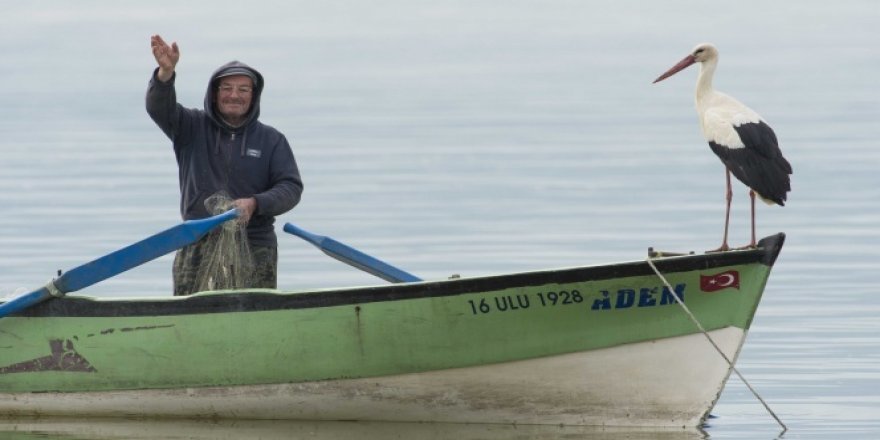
(119, 261)
(366, 263)
(139, 253)
(353, 257)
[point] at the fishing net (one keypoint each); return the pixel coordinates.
(226, 261)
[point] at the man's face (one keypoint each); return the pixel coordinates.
(234, 95)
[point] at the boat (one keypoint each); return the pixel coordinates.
(594, 345)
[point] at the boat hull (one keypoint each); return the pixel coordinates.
(610, 387)
(598, 345)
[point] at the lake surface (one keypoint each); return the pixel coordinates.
(462, 137)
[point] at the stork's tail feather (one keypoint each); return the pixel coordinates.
(772, 201)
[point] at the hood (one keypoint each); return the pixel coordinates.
(211, 94)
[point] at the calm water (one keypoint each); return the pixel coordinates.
(474, 138)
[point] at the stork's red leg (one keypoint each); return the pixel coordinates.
(754, 242)
(724, 246)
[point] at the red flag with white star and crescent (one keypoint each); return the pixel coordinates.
(723, 280)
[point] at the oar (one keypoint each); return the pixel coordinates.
(353, 257)
(119, 261)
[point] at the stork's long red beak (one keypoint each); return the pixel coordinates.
(687, 61)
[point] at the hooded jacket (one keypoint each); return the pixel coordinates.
(253, 160)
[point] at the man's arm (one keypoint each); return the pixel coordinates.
(161, 99)
(287, 186)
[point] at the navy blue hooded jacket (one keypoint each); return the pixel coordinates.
(253, 160)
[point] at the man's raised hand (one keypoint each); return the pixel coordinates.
(166, 56)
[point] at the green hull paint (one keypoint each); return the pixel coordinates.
(212, 340)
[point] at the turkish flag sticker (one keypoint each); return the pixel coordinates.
(723, 280)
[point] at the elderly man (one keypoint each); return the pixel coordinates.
(225, 148)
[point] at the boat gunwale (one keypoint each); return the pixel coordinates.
(267, 300)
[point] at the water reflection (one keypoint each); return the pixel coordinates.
(43, 428)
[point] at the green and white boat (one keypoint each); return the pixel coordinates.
(592, 345)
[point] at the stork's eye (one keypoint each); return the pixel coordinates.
(699, 51)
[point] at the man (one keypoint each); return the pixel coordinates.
(225, 148)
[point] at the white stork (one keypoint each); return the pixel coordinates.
(739, 136)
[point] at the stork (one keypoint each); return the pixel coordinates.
(739, 137)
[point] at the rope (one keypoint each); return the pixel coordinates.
(712, 341)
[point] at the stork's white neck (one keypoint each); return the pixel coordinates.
(704, 80)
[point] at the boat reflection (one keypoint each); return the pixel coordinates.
(84, 428)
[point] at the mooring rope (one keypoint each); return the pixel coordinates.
(712, 341)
